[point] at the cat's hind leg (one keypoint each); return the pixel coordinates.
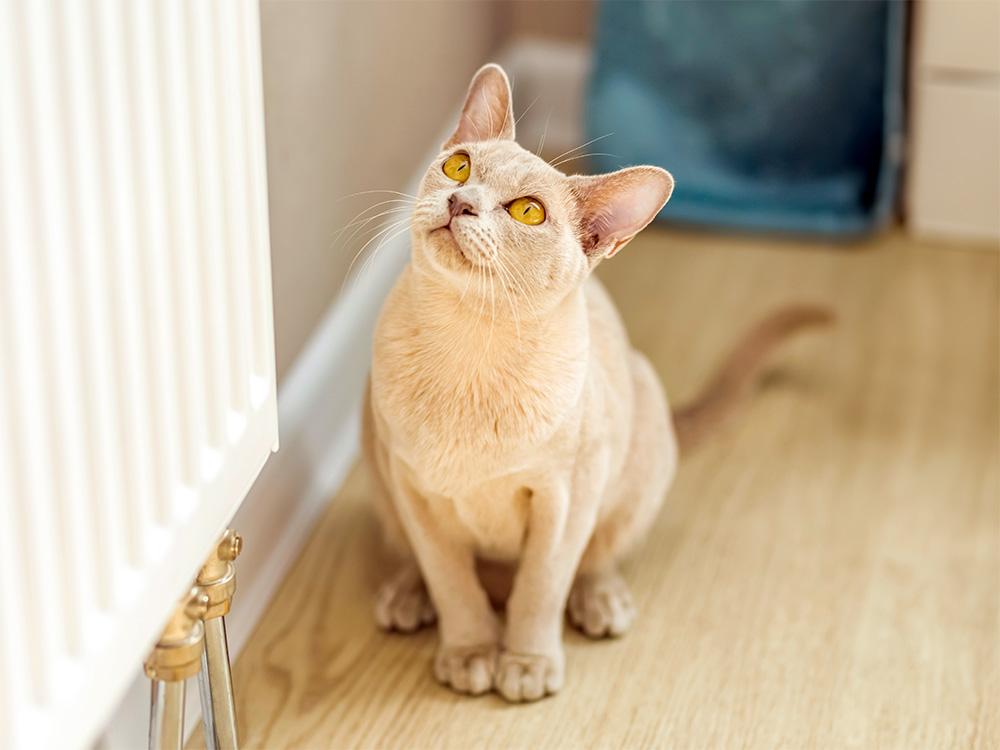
(600, 603)
(402, 603)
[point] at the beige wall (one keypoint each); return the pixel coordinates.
(354, 94)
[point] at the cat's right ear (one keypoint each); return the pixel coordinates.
(488, 113)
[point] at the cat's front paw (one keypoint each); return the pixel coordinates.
(529, 677)
(466, 669)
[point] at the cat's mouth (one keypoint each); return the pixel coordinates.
(446, 235)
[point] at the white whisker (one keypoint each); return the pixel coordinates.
(482, 291)
(582, 156)
(541, 141)
(370, 192)
(504, 280)
(489, 111)
(523, 285)
(516, 121)
(503, 124)
(386, 239)
(475, 125)
(582, 145)
(381, 233)
(493, 308)
(362, 212)
(361, 224)
(468, 279)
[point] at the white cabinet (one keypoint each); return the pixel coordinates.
(953, 185)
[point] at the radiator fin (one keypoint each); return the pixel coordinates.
(137, 390)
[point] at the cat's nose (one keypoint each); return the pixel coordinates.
(459, 207)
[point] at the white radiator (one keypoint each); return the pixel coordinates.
(137, 385)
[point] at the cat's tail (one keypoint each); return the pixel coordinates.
(739, 371)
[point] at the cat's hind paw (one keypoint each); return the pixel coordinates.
(600, 605)
(402, 603)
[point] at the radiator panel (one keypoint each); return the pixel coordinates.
(137, 385)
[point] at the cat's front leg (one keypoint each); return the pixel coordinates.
(467, 626)
(532, 663)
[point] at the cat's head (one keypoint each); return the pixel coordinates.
(491, 213)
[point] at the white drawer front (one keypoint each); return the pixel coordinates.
(954, 179)
(959, 35)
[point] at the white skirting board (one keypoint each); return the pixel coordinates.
(319, 399)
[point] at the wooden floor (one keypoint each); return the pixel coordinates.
(824, 573)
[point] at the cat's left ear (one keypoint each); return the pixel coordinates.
(488, 113)
(615, 207)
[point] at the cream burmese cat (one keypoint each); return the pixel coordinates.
(508, 419)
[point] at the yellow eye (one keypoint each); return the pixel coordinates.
(527, 211)
(457, 167)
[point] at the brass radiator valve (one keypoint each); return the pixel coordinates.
(218, 575)
(177, 655)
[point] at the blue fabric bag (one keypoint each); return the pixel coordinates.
(782, 115)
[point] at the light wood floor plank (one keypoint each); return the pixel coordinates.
(823, 574)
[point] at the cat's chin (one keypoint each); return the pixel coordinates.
(450, 253)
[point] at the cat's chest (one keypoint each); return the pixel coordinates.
(457, 424)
